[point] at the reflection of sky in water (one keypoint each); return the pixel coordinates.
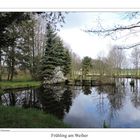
(93, 109)
(118, 106)
(83, 112)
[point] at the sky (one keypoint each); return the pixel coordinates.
(87, 44)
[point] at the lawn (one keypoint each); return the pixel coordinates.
(18, 84)
(15, 117)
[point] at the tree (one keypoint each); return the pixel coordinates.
(18, 53)
(55, 55)
(40, 22)
(135, 54)
(116, 59)
(67, 63)
(49, 63)
(6, 19)
(75, 65)
(11, 55)
(22, 40)
(118, 29)
(100, 66)
(86, 65)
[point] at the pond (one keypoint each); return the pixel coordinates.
(84, 107)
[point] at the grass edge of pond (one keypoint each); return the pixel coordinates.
(16, 117)
(19, 84)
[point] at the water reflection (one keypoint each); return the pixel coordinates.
(86, 90)
(51, 99)
(116, 99)
(30, 99)
(101, 103)
(83, 106)
(26, 98)
(54, 101)
(135, 98)
(115, 94)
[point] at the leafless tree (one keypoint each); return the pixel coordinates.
(135, 56)
(118, 30)
(116, 59)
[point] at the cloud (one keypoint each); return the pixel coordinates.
(83, 43)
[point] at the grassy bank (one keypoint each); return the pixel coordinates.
(14, 117)
(18, 84)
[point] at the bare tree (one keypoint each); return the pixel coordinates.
(76, 65)
(118, 30)
(135, 56)
(116, 59)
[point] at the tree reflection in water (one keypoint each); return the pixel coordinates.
(25, 98)
(30, 99)
(86, 90)
(54, 101)
(115, 95)
(135, 94)
(9, 98)
(107, 103)
(101, 103)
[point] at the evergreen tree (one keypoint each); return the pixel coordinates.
(86, 65)
(49, 59)
(19, 40)
(55, 55)
(6, 19)
(67, 63)
(63, 57)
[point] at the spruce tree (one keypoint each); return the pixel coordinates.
(67, 63)
(48, 63)
(55, 55)
(86, 65)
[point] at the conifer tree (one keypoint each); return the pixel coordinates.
(55, 55)
(67, 63)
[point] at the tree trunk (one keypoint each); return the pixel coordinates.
(8, 77)
(12, 64)
(12, 72)
(0, 65)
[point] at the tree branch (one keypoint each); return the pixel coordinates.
(114, 29)
(129, 47)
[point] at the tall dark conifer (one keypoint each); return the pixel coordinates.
(55, 55)
(49, 61)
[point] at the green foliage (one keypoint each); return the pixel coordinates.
(86, 65)
(20, 41)
(6, 40)
(1, 91)
(55, 55)
(12, 51)
(14, 117)
(49, 59)
(67, 63)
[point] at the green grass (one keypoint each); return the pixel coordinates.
(21, 76)
(18, 84)
(15, 117)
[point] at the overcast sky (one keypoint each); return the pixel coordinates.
(85, 44)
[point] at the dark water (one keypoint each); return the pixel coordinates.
(84, 107)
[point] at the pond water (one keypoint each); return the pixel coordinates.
(84, 107)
